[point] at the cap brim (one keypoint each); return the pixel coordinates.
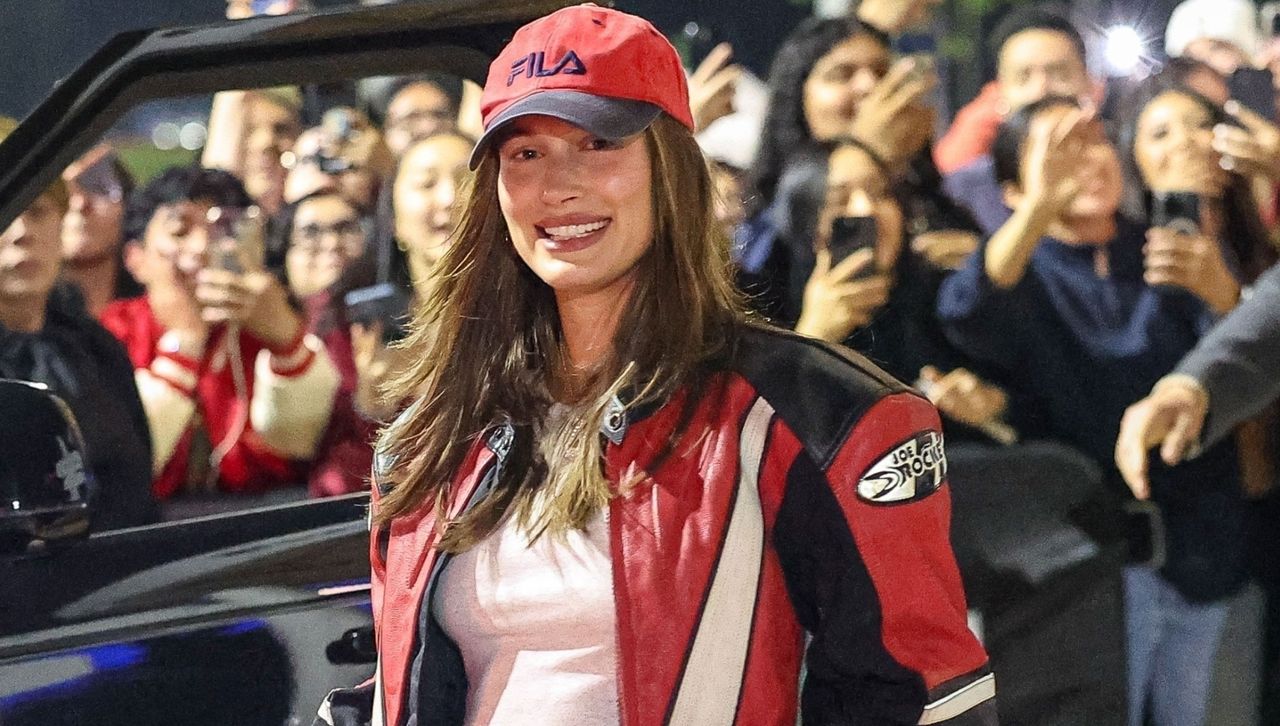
(607, 118)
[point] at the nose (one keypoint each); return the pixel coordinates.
(446, 196)
(562, 180)
(15, 233)
(863, 82)
(860, 204)
(262, 139)
(1038, 86)
(77, 202)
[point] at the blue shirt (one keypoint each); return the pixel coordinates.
(974, 187)
(1082, 347)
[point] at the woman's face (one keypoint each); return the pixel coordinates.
(1173, 147)
(856, 187)
(1097, 170)
(327, 235)
(578, 208)
(92, 228)
(839, 82)
(425, 196)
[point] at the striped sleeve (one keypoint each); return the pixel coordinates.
(866, 543)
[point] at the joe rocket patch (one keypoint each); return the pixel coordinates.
(912, 470)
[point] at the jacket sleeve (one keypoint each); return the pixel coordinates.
(1238, 362)
(293, 397)
(982, 320)
(167, 389)
(865, 548)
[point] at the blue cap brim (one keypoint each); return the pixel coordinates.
(607, 118)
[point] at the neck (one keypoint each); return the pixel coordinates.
(1084, 230)
(589, 322)
(24, 314)
(96, 280)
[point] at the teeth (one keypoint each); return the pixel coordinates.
(576, 230)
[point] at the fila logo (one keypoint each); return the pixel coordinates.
(535, 65)
(913, 470)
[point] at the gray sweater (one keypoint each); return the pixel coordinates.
(1238, 362)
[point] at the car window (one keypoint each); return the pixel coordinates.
(230, 269)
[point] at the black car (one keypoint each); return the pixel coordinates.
(244, 617)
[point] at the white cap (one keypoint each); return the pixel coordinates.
(1231, 21)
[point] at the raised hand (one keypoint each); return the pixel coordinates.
(712, 86)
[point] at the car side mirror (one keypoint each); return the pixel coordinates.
(45, 486)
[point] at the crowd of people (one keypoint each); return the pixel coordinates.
(1035, 271)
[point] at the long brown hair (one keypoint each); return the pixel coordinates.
(489, 339)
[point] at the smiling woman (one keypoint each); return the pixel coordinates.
(614, 499)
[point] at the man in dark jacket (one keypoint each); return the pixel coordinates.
(47, 336)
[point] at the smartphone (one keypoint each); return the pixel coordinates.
(1179, 211)
(1255, 89)
(235, 232)
(849, 235)
(1145, 534)
(383, 303)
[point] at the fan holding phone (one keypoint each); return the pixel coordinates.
(861, 266)
(859, 236)
(1206, 235)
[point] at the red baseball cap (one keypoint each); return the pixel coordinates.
(599, 69)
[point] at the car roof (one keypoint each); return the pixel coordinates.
(455, 36)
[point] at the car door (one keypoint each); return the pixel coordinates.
(250, 614)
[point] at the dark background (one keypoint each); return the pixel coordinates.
(46, 39)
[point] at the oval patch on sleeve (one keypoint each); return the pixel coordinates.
(912, 470)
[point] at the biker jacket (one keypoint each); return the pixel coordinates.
(806, 494)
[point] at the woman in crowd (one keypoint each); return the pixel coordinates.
(47, 336)
(321, 236)
(420, 211)
(834, 81)
(1174, 141)
(594, 428)
(1073, 303)
(93, 229)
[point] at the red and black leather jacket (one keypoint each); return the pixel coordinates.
(806, 494)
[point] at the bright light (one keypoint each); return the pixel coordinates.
(166, 136)
(1125, 49)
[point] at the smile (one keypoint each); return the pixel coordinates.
(573, 231)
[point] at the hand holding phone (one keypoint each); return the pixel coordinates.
(1179, 211)
(850, 235)
(237, 236)
(383, 305)
(1251, 146)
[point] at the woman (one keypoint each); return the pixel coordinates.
(1058, 300)
(593, 419)
(93, 229)
(322, 235)
(1169, 150)
(1174, 143)
(424, 196)
(835, 83)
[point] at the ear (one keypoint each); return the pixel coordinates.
(1012, 195)
(135, 260)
